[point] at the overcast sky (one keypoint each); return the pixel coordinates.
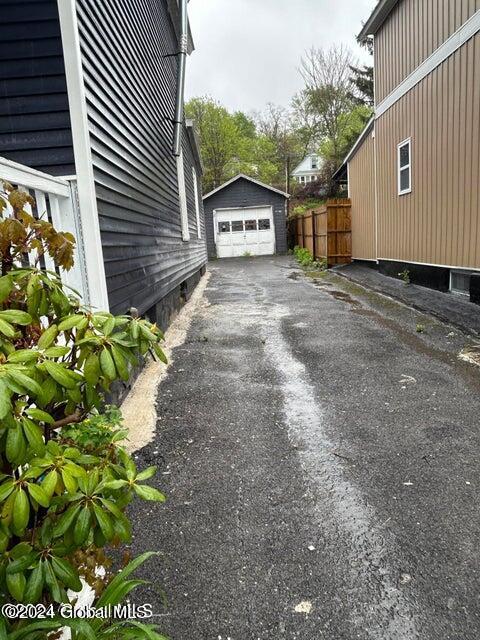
(248, 51)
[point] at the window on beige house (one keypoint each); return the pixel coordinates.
(405, 167)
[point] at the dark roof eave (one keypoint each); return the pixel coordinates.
(378, 17)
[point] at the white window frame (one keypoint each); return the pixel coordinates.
(404, 143)
(197, 202)
(182, 194)
(314, 164)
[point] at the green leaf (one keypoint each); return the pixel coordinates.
(16, 447)
(50, 482)
(146, 474)
(107, 364)
(6, 489)
(159, 353)
(114, 485)
(52, 582)
(16, 317)
(66, 519)
(66, 573)
(104, 521)
(21, 563)
(109, 326)
(148, 493)
(82, 526)
(41, 416)
(21, 512)
(5, 403)
(39, 495)
(48, 337)
(34, 586)
(34, 436)
(23, 356)
(149, 630)
(59, 374)
(6, 286)
(71, 321)
(24, 381)
(56, 352)
(16, 585)
(7, 329)
(68, 481)
(107, 596)
(91, 369)
(120, 363)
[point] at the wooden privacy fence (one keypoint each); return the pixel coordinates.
(326, 232)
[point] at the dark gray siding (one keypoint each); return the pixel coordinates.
(243, 193)
(130, 87)
(34, 115)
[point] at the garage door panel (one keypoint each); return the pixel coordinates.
(242, 231)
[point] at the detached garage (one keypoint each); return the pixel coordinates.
(245, 217)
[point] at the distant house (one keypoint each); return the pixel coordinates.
(245, 217)
(414, 173)
(308, 170)
(88, 91)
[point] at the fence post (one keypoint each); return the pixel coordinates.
(303, 231)
(314, 240)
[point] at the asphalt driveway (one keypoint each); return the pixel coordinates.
(319, 445)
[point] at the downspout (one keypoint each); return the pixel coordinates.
(182, 62)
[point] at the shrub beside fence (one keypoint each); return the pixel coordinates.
(326, 232)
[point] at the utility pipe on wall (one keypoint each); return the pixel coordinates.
(182, 62)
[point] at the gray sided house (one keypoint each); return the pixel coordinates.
(88, 91)
(245, 217)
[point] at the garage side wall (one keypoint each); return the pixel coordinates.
(361, 180)
(243, 193)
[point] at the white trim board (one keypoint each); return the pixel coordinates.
(26, 176)
(245, 177)
(87, 198)
(458, 39)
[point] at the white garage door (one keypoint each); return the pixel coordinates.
(240, 232)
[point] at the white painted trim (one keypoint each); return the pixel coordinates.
(431, 264)
(19, 174)
(197, 202)
(97, 285)
(458, 39)
(242, 175)
(375, 182)
(256, 206)
(359, 141)
(404, 143)
(182, 195)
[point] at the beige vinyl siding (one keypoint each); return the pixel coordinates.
(438, 223)
(412, 32)
(361, 178)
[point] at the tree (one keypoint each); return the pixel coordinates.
(220, 139)
(362, 85)
(327, 93)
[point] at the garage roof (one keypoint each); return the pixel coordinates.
(240, 176)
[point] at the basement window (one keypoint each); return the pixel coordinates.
(460, 282)
(405, 167)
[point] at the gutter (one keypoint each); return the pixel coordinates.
(182, 63)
